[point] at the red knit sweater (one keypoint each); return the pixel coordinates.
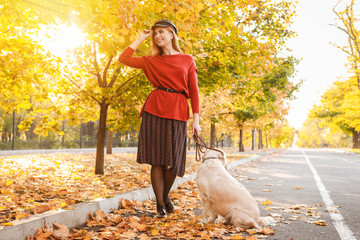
(177, 72)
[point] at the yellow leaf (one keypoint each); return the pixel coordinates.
(266, 202)
(268, 231)
(155, 232)
(239, 236)
(251, 238)
(252, 231)
(21, 215)
(321, 223)
(200, 6)
(8, 182)
(7, 224)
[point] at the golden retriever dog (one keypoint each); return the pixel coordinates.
(225, 196)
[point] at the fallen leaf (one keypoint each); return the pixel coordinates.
(129, 234)
(43, 234)
(7, 224)
(266, 202)
(251, 231)
(60, 231)
(8, 182)
(238, 236)
(155, 232)
(267, 231)
(254, 237)
(21, 215)
(141, 227)
(321, 223)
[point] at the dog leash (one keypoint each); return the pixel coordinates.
(200, 147)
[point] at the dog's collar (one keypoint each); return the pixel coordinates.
(204, 159)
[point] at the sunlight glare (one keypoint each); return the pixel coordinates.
(62, 39)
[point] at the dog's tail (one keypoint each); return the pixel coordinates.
(266, 221)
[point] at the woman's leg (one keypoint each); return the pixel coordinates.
(169, 179)
(157, 182)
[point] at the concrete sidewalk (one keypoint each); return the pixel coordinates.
(79, 214)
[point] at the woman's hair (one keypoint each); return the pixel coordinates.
(156, 50)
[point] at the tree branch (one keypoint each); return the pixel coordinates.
(337, 46)
(118, 93)
(73, 82)
(114, 77)
(106, 69)
(351, 26)
(97, 74)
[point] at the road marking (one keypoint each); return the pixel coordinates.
(344, 232)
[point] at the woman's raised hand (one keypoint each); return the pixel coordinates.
(145, 34)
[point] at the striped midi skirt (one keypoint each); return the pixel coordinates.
(162, 142)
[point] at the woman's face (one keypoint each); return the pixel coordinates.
(163, 37)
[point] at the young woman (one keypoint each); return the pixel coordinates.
(162, 138)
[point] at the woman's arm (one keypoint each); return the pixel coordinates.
(196, 125)
(126, 56)
(195, 99)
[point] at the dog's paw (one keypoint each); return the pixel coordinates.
(267, 221)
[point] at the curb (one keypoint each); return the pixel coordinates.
(79, 214)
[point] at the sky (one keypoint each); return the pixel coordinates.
(321, 63)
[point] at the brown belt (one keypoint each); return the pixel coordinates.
(170, 90)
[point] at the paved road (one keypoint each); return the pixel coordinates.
(304, 187)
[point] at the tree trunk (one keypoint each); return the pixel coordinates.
(356, 139)
(253, 139)
(90, 129)
(14, 132)
(109, 142)
(241, 144)
(63, 136)
(260, 144)
(212, 135)
(266, 139)
(99, 165)
(81, 134)
(189, 143)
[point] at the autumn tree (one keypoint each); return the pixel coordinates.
(316, 132)
(236, 62)
(337, 108)
(23, 61)
(349, 19)
(347, 13)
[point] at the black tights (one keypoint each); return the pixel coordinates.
(162, 180)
